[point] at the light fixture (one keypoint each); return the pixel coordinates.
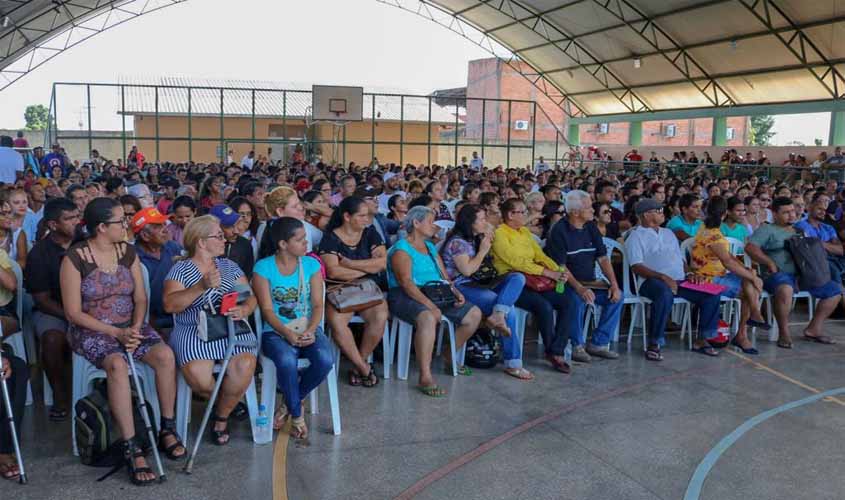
(638, 62)
(5, 21)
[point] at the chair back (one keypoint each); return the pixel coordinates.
(19, 293)
(611, 246)
(737, 247)
(686, 249)
(146, 276)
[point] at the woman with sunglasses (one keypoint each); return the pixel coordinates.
(105, 303)
(755, 216)
(604, 222)
(206, 276)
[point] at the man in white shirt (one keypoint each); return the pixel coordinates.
(656, 259)
(11, 161)
(248, 161)
(541, 166)
(477, 163)
(391, 187)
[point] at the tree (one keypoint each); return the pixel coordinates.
(36, 116)
(818, 142)
(761, 129)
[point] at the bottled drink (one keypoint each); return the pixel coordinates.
(263, 431)
(560, 286)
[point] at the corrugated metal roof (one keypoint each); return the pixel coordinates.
(270, 100)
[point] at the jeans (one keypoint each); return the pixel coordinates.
(501, 298)
(662, 299)
(543, 306)
(17, 395)
(573, 316)
(295, 386)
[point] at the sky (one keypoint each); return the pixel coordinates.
(332, 42)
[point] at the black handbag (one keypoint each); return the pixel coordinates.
(439, 292)
(212, 325)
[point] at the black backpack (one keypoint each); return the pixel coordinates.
(810, 260)
(97, 439)
(483, 350)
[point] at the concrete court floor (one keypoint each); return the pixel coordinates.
(626, 429)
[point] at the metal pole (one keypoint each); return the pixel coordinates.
(8, 404)
(508, 154)
(123, 119)
(428, 145)
(253, 120)
(344, 145)
(483, 123)
(222, 143)
(90, 139)
(157, 129)
(456, 132)
(373, 131)
(401, 128)
(285, 118)
(190, 129)
(533, 134)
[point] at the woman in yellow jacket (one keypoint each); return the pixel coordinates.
(516, 250)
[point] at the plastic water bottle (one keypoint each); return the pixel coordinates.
(560, 286)
(263, 432)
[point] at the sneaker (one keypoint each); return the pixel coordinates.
(580, 355)
(601, 352)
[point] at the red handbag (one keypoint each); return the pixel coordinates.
(539, 283)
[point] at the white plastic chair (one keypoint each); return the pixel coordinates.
(521, 322)
(629, 297)
(16, 340)
(402, 332)
(766, 298)
(268, 384)
(733, 305)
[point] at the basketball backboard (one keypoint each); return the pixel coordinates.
(337, 103)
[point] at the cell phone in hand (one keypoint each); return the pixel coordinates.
(230, 300)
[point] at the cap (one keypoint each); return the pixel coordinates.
(363, 192)
(225, 214)
(303, 185)
(149, 215)
(388, 175)
(170, 182)
(647, 204)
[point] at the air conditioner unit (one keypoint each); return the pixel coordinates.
(603, 128)
(669, 130)
(520, 125)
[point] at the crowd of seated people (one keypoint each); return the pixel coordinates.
(500, 242)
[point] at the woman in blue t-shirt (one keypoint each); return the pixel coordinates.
(289, 289)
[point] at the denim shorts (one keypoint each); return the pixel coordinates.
(776, 280)
(732, 282)
(407, 309)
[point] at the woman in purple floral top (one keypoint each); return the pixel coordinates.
(466, 256)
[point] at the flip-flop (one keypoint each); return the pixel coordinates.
(462, 370)
(784, 344)
(821, 339)
(519, 373)
(433, 391)
(653, 355)
(706, 350)
(9, 471)
(750, 351)
(758, 324)
(557, 364)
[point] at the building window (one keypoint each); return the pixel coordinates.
(603, 128)
(670, 130)
(730, 133)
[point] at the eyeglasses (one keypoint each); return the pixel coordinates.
(606, 212)
(5, 213)
(219, 236)
(765, 200)
(122, 222)
(518, 212)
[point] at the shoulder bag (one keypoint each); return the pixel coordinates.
(438, 292)
(355, 295)
(299, 324)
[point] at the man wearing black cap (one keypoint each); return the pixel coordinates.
(655, 257)
(238, 249)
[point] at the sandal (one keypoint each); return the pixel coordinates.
(558, 363)
(653, 354)
(9, 470)
(220, 438)
(706, 350)
(821, 339)
(520, 373)
(785, 344)
(132, 452)
(434, 391)
(750, 351)
(170, 451)
(371, 380)
(462, 370)
(57, 414)
(298, 429)
(354, 378)
(279, 418)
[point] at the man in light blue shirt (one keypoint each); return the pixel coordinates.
(813, 227)
(687, 224)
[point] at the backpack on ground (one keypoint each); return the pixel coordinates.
(97, 440)
(810, 260)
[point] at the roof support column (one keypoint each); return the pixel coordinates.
(635, 133)
(573, 134)
(837, 128)
(720, 131)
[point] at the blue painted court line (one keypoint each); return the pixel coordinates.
(706, 465)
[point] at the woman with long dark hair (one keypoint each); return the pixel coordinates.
(712, 261)
(469, 263)
(289, 289)
(105, 303)
(352, 249)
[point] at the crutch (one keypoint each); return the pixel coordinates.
(7, 402)
(142, 406)
(230, 350)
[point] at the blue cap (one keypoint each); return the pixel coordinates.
(225, 214)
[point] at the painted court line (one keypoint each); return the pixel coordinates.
(706, 465)
(783, 376)
(280, 464)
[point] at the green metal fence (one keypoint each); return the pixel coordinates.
(508, 132)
